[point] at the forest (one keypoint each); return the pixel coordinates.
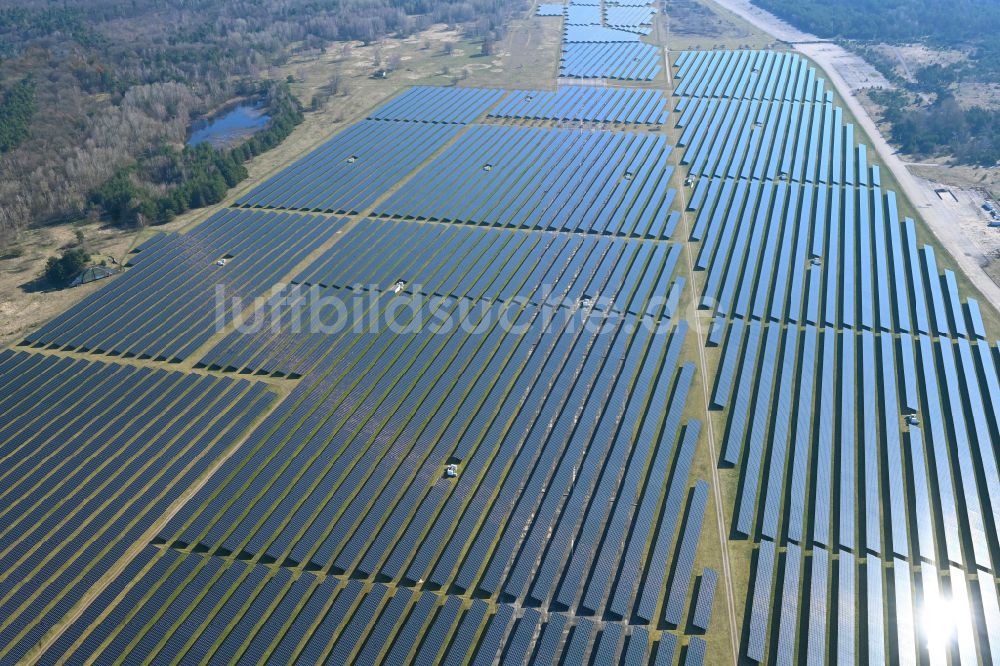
(926, 119)
(936, 22)
(96, 96)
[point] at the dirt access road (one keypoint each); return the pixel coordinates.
(940, 218)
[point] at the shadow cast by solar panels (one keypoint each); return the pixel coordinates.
(166, 306)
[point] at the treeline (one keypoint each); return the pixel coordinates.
(942, 128)
(195, 177)
(940, 22)
(17, 108)
(169, 182)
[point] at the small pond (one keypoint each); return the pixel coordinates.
(231, 128)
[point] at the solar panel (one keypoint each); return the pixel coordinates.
(761, 602)
(702, 610)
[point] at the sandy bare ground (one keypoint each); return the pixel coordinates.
(944, 221)
(766, 21)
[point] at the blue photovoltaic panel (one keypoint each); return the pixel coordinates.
(705, 599)
(587, 104)
(438, 105)
(695, 655)
(168, 305)
(611, 183)
(631, 61)
(761, 602)
(352, 170)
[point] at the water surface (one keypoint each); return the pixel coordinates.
(231, 128)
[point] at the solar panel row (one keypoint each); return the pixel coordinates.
(191, 608)
(597, 104)
(432, 104)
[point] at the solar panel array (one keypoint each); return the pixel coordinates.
(165, 308)
(549, 9)
(361, 490)
(360, 493)
(587, 104)
(620, 60)
(430, 104)
(489, 457)
(93, 455)
(504, 472)
(602, 40)
(545, 179)
(349, 172)
(436, 261)
(636, 18)
(613, 275)
(861, 395)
